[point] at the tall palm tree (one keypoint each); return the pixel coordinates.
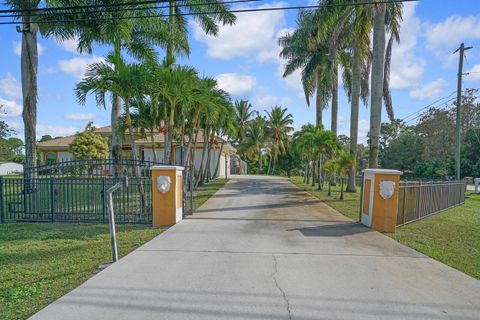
(244, 114)
(279, 125)
(302, 51)
(114, 28)
(387, 17)
(29, 68)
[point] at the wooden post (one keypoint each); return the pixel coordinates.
(167, 195)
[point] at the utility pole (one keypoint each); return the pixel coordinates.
(458, 124)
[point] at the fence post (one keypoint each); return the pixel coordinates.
(2, 209)
(52, 199)
(103, 200)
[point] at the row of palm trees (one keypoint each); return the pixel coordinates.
(262, 137)
(108, 23)
(323, 155)
(337, 38)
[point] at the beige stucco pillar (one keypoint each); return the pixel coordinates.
(167, 195)
(379, 203)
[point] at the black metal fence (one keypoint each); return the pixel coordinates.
(420, 199)
(72, 199)
(74, 191)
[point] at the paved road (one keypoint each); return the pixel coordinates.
(263, 249)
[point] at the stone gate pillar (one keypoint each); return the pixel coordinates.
(379, 203)
(167, 195)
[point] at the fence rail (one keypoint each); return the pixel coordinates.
(420, 199)
(71, 199)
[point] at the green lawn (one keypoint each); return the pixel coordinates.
(39, 262)
(348, 207)
(205, 192)
(451, 237)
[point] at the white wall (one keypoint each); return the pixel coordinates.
(64, 156)
(10, 168)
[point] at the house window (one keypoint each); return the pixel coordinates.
(50, 157)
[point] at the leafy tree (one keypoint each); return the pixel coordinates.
(89, 145)
(279, 125)
(345, 162)
(255, 141)
(244, 115)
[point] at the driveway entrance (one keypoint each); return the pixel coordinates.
(262, 249)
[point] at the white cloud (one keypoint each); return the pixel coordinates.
(444, 37)
(429, 91)
(474, 73)
(78, 65)
(10, 108)
(236, 84)
(10, 87)
(79, 116)
(253, 35)
(17, 48)
(54, 130)
(264, 101)
(69, 45)
(453, 30)
(407, 69)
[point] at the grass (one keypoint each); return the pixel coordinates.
(40, 262)
(349, 207)
(205, 192)
(451, 237)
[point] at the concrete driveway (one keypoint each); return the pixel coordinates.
(263, 249)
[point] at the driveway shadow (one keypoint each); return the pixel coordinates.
(332, 230)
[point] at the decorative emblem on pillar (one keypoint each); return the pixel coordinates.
(163, 183)
(387, 189)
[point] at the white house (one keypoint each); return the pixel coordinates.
(7, 168)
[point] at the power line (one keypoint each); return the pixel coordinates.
(114, 10)
(214, 12)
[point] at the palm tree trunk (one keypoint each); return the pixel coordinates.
(319, 104)
(29, 67)
(152, 139)
(209, 156)
(341, 188)
(204, 151)
(313, 173)
(115, 123)
(334, 119)
(171, 28)
(269, 164)
(319, 173)
(355, 106)
(377, 82)
(260, 160)
(308, 172)
(218, 160)
(169, 136)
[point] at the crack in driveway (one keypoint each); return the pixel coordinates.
(284, 295)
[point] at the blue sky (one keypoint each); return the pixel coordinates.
(244, 58)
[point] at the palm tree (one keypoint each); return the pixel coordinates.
(207, 13)
(279, 125)
(175, 85)
(122, 79)
(255, 141)
(244, 114)
(381, 70)
(345, 162)
(331, 167)
(29, 67)
(302, 51)
(113, 27)
(146, 119)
